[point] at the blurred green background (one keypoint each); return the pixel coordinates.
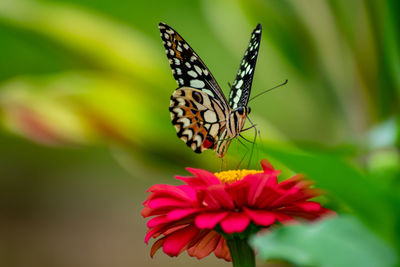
(85, 127)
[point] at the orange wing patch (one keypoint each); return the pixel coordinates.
(188, 107)
(174, 38)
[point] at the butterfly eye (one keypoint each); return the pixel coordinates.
(248, 110)
(240, 110)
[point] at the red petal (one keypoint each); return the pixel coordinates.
(205, 246)
(294, 195)
(239, 191)
(261, 217)
(309, 206)
(235, 222)
(266, 165)
(209, 220)
(257, 186)
(164, 203)
(189, 191)
(217, 197)
(163, 190)
(291, 182)
(268, 168)
(267, 196)
(166, 228)
(175, 243)
(202, 178)
(152, 232)
(156, 246)
(284, 218)
(222, 250)
(181, 213)
(307, 210)
(153, 222)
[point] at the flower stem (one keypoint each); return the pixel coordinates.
(241, 252)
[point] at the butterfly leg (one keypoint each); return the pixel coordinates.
(256, 131)
(244, 138)
(245, 154)
(251, 127)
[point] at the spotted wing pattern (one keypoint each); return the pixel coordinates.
(240, 91)
(187, 67)
(197, 118)
(199, 111)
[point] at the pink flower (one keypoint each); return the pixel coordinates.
(195, 216)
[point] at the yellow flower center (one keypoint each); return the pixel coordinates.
(234, 175)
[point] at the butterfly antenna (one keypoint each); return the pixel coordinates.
(230, 85)
(282, 84)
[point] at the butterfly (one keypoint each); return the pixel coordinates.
(201, 114)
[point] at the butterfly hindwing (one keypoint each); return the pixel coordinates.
(240, 91)
(187, 67)
(196, 117)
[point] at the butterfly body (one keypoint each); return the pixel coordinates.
(202, 116)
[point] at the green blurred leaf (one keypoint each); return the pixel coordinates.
(110, 45)
(364, 196)
(335, 242)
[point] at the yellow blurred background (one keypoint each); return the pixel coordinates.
(84, 96)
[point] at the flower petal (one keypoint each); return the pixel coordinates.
(178, 214)
(156, 246)
(209, 220)
(285, 219)
(239, 191)
(217, 197)
(153, 222)
(266, 165)
(268, 168)
(257, 185)
(202, 178)
(222, 250)
(235, 222)
(175, 242)
(165, 202)
(307, 210)
(205, 245)
(261, 217)
(180, 192)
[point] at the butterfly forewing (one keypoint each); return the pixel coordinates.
(187, 67)
(240, 91)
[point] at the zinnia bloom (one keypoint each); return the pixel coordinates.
(201, 215)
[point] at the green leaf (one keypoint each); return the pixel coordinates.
(336, 242)
(368, 200)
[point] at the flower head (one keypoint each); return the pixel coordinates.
(199, 215)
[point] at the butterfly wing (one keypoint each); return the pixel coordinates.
(187, 67)
(240, 91)
(197, 117)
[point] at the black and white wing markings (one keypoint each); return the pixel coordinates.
(187, 67)
(199, 110)
(240, 91)
(197, 118)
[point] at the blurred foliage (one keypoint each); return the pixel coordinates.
(79, 74)
(336, 242)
